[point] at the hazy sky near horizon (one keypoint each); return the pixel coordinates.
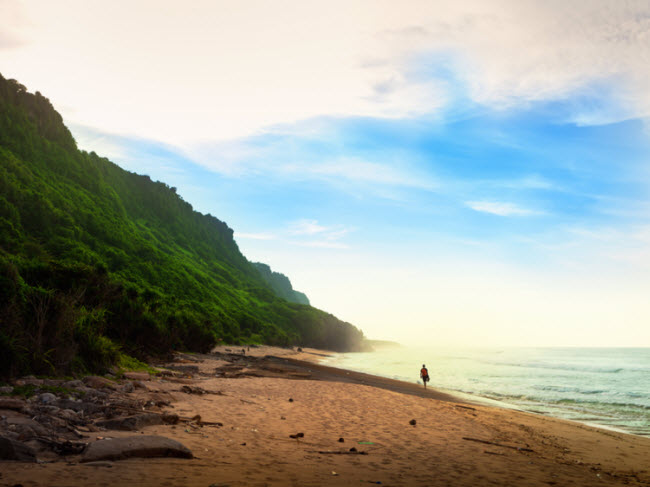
(444, 172)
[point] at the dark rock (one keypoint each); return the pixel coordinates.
(170, 418)
(131, 423)
(25, 427)
(79, 406)
(14, 450)
(135, 446)
(30, 380)
(138, 384)
(290, 400)
(412, 422)
(74, 384)
(341, 440)
(353, 449)
(128, 387)
(11, 403)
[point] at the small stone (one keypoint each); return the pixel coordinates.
(6, 390)
(290, 400)
(353, 449)
(341, 440)
(46, 398)
(412, 422)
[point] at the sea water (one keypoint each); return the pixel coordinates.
(608, 387)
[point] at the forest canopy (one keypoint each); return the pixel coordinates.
(97, 262)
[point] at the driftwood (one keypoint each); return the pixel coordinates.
(465, 407)
(338, 452)
(518, 448)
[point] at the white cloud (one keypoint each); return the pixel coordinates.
(306, 227)
(222, 70)
(500, 208)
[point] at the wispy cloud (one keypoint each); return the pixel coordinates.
(307, 227)
(500, 208)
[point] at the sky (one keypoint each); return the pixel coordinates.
(435, 172)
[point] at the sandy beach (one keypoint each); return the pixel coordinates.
(262, 402)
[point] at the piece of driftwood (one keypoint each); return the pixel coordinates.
(338, 452)
(465, 407)
(518, 448)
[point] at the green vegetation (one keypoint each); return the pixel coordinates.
(97, 262)
(280, 284)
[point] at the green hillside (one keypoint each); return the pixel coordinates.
(280, 284)
(96, 261)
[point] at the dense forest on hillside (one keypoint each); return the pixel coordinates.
(96, 261)
(280, 284)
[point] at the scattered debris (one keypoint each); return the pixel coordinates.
(297, 435)
(518, 448)
(464, 407)
(338, 452)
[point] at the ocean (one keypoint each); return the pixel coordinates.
(606, 387)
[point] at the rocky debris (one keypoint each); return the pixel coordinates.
(11, 449)
(184, 357)
(131, 423)
(412, 422)
(137, 375)
(185, 369)
(135, 446)
(199, 390)
(6, 390)
(29, 380)
(96, 382)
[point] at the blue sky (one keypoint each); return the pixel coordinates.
(476, 172)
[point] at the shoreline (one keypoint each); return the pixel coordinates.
(252, 407)
(538, 406)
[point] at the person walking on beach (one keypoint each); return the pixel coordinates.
(424, 374)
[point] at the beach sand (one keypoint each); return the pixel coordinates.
(271, 400)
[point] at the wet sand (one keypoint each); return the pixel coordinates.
(262, 402)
